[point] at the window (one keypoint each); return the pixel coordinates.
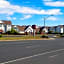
(15, 27)
(8, 25)
(0, 25)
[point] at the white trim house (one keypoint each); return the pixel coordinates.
(60, 28)
(19, 29)
(23, 29)
(5, 26)
(29, 29)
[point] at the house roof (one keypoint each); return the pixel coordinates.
(27, 27)
(61, 26)
(21, 28)
(5, 22)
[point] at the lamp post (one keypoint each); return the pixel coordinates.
(45, 20)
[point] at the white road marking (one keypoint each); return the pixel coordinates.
(53, 56)
(32, 56)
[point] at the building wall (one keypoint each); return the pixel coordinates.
(45, 30)
(60, 29)
(9, 27)
(15, 28)
(2, 28)
(21, 32)
(5, 28)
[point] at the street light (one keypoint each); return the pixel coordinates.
(45, 19)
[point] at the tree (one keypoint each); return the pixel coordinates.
(12, 31)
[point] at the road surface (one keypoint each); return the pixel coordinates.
(32, 52)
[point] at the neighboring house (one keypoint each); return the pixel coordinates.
(44, 29)
(5, 26)
(37, 30)
(19, 29)
(60, 29)
(53, 29)
(29, 29)
(22, 29)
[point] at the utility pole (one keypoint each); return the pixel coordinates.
(45, 20)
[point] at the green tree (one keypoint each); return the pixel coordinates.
(12, 31)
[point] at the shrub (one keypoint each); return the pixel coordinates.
(44, 36)
(50, 32)
(62, 35)
(0, 35)
(56, 33)
(12, 32)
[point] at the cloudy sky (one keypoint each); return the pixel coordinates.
(29, 12)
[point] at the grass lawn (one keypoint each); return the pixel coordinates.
(22, 38)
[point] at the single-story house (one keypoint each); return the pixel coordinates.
(19, 29)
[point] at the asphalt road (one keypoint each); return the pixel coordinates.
(32, 52)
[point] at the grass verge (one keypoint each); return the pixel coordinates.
(22, 38)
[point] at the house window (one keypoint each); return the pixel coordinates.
(8, 25)
(15, 28)
(0, 25)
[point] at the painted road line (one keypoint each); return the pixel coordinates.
(53, 56)
(32, 56)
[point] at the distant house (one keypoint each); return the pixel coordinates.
(5, 26)
(60, 29)
(44, 29)
(53, 29)
(22, 29)
(29, 29)
(19, 29)
(37, 30)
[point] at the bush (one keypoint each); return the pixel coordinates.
(50, 32)
(44, 36)
(12, 32)
(0, 35)
(56, 33)
(61, 35)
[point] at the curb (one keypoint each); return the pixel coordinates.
(29, 39)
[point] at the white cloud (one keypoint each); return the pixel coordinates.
(52, 18)
(7, 8)
(11, 18)
(26, 17)
(57, 3)
(14, 18)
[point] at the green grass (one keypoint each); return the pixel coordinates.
(21, 38)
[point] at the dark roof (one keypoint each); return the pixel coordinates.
(27, 27)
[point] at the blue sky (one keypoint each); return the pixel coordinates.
(29, 12)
